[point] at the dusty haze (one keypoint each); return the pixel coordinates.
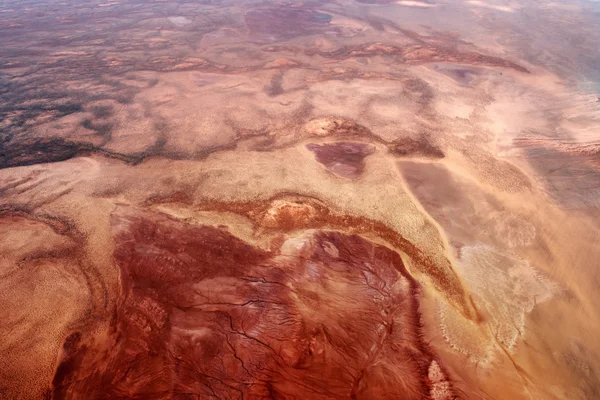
(346, 199)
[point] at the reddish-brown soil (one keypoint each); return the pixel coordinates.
(206, 315)
(289, 212)
(368, 199)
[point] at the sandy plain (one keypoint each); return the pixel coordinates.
(299, 200)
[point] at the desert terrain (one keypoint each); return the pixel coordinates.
(338, 199)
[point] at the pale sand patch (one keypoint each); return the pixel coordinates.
(478, 3)
(416, 4)
(179, 21)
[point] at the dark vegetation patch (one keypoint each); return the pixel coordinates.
(286, 21)
(102, 111)
(419, 90)
(58, 60)
(275, 87)
(101, 128)
(17, 153)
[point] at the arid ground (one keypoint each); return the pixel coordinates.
(336, 199)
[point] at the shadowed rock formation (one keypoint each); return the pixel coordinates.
(206, 315)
